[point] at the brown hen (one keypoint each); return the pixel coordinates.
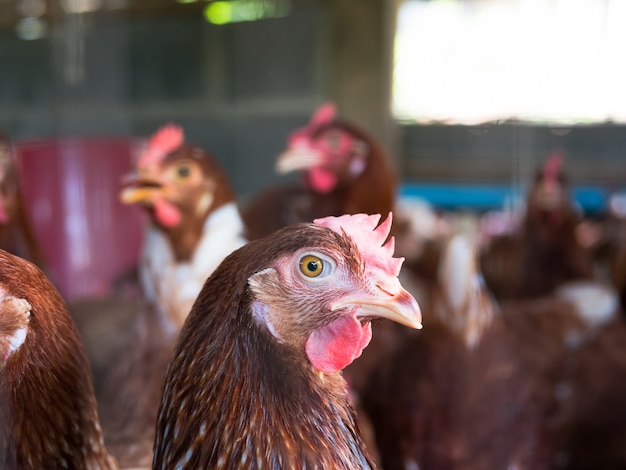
(544, 252)
(255, 380)
(343, 171)
(48, 413)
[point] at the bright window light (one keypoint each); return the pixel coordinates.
(544, 61)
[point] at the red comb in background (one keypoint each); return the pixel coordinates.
(553, 165)
(162, 142)
(324, 114)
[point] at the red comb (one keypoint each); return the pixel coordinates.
(162, 142)
(553, 165)
(324, 114)
(369, 237)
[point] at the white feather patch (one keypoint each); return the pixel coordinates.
(261, 313)
(457, 270)
(17, 340)
(595, 303)
(174, 286)
(15, 306)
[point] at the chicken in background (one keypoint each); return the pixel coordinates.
(465, 394)
(255, 380)
(48, 412)
(593, 419)
(544, 252)
(194, 225)
(615, 246)
(16, 234)
(194, 220)
(343, 171)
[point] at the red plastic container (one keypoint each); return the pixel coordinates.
(71, 190)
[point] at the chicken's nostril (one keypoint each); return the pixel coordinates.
(388, 288)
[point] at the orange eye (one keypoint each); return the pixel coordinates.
(311, 266)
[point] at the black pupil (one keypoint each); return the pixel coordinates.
(312, 266)
(183, 171)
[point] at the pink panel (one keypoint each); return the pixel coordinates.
(71, 188)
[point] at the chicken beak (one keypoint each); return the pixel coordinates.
(298, 159)
(399, 307)
(141, 188)
(135, 195)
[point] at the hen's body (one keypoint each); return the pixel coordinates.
(463, 395)
(48, 414)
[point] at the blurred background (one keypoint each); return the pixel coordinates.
(467, 97)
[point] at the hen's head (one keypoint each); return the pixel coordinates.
(175, 181)
(549, 200)
(321, 296)
(328, 151)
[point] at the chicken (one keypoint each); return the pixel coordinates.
(194, 224)
(255, 380)
(593, 435)
(343, 171)
(16, 233)
(464, 394)
(544, 253)
(618, 275)
(48, 413)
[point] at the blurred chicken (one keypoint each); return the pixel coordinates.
(343, 171)
(467, 393)
(16, 234)
(255, 381)
(593, 422)
(544, 252)
(48, 413)
(194, 224)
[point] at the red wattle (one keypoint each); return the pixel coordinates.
(335, 346)
(166, 213)
(321, 180)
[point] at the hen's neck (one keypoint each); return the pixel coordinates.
(237, 398)
(172, 285)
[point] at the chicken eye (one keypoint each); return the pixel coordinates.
(311, 266)
(183, 171)
(333, 139)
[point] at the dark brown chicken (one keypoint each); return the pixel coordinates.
(593, 420)
(343, 171)
(194, 225)
(255, 381)
(48, 414)
(471, 391)
(544, 253)
(16, 234)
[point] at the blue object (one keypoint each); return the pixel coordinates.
(484, 197)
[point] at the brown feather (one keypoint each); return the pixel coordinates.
(48, 417)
